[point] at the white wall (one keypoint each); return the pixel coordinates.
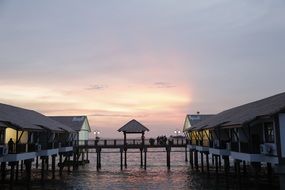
(84, 133)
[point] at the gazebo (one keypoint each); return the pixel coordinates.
(133, 127)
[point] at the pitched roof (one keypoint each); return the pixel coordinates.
(245, 113)
(74, 122)
(29, 119)
(133, 126)
(194, 119)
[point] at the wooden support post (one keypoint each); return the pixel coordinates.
(145, 157)
(168, 149)
(125, 157)
(37, 162)
(82, 157)
(74, 164)
(87, 156)
(17, 170)
(47, 163)
(98, 166)
(68, 164)
(207, 163)
(257, 167)
(227, 169)
(22, 165)
(202, 162)
(196, 160)
(244, 168)
(216, 163)
(43, 168)
(60, 165)
(100, 158)
(28, 165)
(3, 171)
(238, 172)
(235, 168)
(220, 162)
(121, 152)
(53, 166)
(186, 159)
(191, 158)
(141, 153)
(269, 173)
(12, 174)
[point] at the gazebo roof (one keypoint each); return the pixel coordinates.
(133, 126)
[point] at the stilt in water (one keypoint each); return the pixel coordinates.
(202, 162)
(227, 168)
(216, 164)
(145, 157)
(22, 165)
(43, 168)
(238, 172)
(125, 157)
(100, 158)
(17, 170)
(196, 160)
(269, 173)
(87, 156)
(256, 166)
(37, 162)
(141, 154)
(191, 158)
(53, 166)
(82, 157)
(168, 149)
(207, 163)
(47, 163)
(98, 150)
(12, 174)
(60, 165)
(121, 152)
(220, 162)
(28, 165)
(68, 164)
(244, 168)
(186, 159)
(3, 171)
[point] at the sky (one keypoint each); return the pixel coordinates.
(152, 60)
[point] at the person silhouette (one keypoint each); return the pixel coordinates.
(11, 146)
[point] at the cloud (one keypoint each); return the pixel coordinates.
(163, 85)
(97, 87)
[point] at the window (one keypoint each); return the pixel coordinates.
(268, 132)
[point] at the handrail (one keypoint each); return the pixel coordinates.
(120, 142)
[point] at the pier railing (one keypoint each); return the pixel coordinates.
(132, 142)
(34, 147)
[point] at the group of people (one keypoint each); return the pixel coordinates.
(161, 140)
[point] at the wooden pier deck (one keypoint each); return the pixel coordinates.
(84, 147)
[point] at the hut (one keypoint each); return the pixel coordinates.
(133, 127)
(251, 133)
(31, 133)
(80, 124)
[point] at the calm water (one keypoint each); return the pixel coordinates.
(180, 176)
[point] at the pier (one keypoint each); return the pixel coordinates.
(122, 146)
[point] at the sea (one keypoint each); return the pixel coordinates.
(156, 176)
